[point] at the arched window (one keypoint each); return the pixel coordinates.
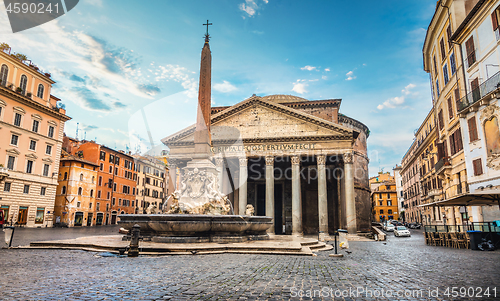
(3, 75)
(80, 190)
(93, 179)
(92, 193)
(39, 93)
(65, 176)
(63, 190)
(81, 177)
(23, 84)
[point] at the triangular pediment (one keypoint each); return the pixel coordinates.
(32, 156)
(13, 151)
(258, 118)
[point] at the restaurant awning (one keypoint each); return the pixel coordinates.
(477, 198)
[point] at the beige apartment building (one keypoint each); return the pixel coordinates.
(31, 132)
(151, 184)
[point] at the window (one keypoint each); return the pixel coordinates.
(39, 215)
(80, 190)
(102, 156)
(445, 74)
(113, 201)
(17, 119)
(98, 194)
(101, 167)
(472, 129)
(63, 190)
(450, 109)
(32, 145)
(42, 190)
(117, 160)
(389, 211)
(443, 50)
(381, 211)
(48, 150)
(471, 52)
(39, 93)
(478, 167)
(107, 198)
(81, 177)
(453, 64)
(111, 158)
(111, 169)
(448, 35)
(389, 203)
(65, 176)
(10, 163)
(97, 206)
(440, 120)
(23, 83)
(107, 207)
(3, 75)
(36, 123)
(6, 187)
(78, 204)
(457, 97)
(388, 195)
(91, 193)
(114, 186)
(435, 68)
(29, 166)
(14, 140)
(51, 131)
(456, 142)
(46, 170)
(116, 171)
(26, 189)
(494, 21)
(437, 88)
(90, 205)
(120, 202)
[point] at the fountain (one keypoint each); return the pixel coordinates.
(199, 211)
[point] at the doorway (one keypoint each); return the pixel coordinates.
(261, 200)
(113, 217)
(22, 218)
(99, 218)
(278, 209)
(78, 219)
(89, 219)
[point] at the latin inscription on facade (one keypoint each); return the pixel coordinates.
(263, 147)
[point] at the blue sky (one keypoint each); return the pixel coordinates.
(116, 62)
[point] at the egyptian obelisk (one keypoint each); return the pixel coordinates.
(200, 176)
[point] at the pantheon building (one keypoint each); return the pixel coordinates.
(294, 159)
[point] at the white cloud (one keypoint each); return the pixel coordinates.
(225, 87)
(308, 68)
(324, 77)
(350, 75)
(399, 100)
(300, 87)
(250, 7)
(327, 69)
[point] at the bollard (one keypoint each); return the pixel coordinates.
(12, 228)
(336, 235)
(133, 251)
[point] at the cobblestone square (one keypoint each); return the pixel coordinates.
(372, 271)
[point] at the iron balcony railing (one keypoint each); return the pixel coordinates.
(441, 163)
(490, 85)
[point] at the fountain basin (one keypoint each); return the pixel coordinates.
(185, 228)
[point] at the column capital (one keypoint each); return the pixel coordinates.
(348, 158)
(321, 159)
(243, 161)
(269, 160)
(295, 160)
(219, 161)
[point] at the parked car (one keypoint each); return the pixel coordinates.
(414, 226)
(401, 231)
(389, 227)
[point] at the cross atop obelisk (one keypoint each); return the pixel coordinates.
(202, 136)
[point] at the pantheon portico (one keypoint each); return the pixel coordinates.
(296, 160)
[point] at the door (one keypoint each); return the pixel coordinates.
(98, 220)
(22, 218)
(113, 217)
(89, 219)
(278, 209)
(78, 219)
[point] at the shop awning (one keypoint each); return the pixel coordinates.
(477, 198)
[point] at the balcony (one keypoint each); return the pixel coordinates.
(442, 165)
(477, 94)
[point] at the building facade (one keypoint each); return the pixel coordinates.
(151, 184)
(296, 160)
(399, 189)
(478, 36)
(411, 182)
(384, 197)
(75, 197)
(31, 133)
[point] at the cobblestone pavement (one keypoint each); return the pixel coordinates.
(403, 265)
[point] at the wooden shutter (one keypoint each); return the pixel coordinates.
(448, 33)
(472, 129)
(440, 148)
(457, 98)
(443, 50)
(478, 167)
(469, 46)
(474, 84)
(452, 144)
(458, 135)
(450, 109)
(494, 20)
(445, 149)
(440, 119)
